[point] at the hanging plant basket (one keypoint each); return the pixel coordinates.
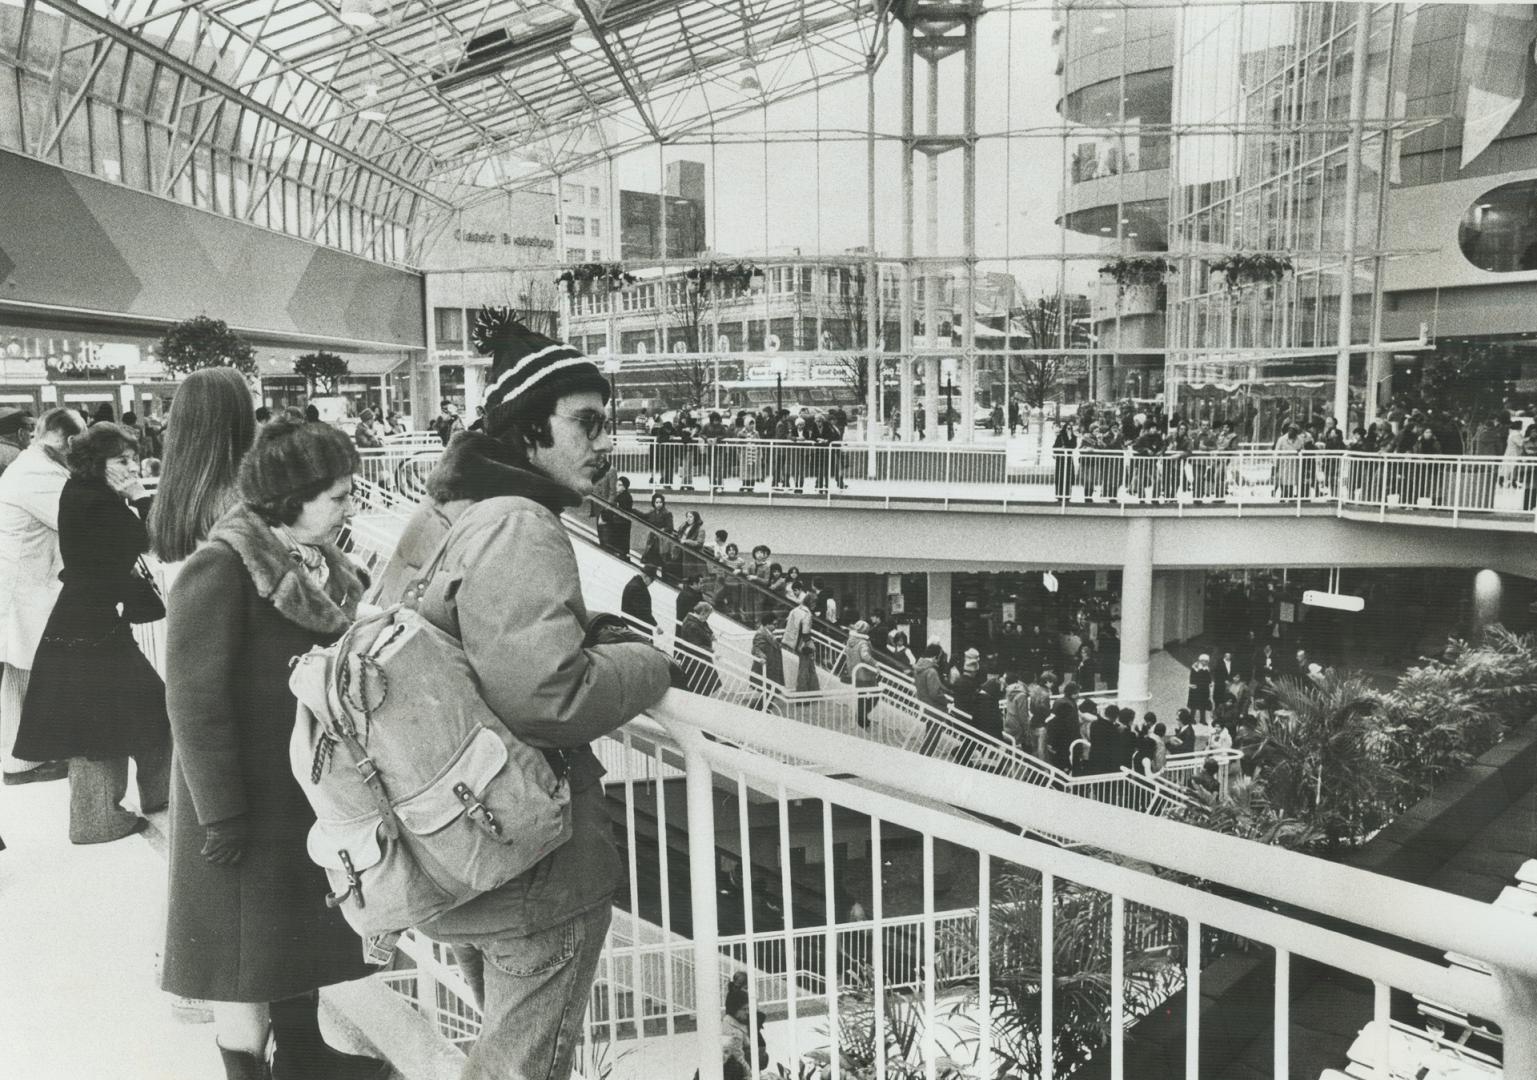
(722, 279)
(1138, 270)
(1244, 268)
(583, 277)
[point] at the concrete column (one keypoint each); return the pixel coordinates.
(1136, 613)
(941, 627)
(1488, 590)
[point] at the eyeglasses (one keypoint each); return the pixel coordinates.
(591, 423)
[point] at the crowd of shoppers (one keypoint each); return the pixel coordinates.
(776, 447)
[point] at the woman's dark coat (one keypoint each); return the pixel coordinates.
(259, 930)
(93, 694)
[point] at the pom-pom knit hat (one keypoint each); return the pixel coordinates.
(524, 360)
(290, 455)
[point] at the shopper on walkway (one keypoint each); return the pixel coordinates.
(214, 429)
(29, 576)
(859, 668)
(93, 697)
(658, 542)
(16, 427)
(1198, 693)
(508, 586)
(635, 601)
(797, 638)
(249, 928)
(694, 650)
(768, 667)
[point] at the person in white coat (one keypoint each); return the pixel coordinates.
(797, 639)
(29, 575)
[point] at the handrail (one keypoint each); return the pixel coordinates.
(1348, 481)
(1369, 906)
(1499, 937)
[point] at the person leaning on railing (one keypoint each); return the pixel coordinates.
(559, 678)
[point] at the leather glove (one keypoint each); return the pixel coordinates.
(225, 842)
(606, 628)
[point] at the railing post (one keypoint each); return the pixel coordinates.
(702, 890)
(1519, 1024)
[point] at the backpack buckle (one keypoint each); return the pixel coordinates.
(477, 811)
(354, 884)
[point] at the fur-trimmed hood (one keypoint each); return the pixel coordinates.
(282, 581)
(477, 467)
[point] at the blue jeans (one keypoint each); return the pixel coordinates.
(533, 992)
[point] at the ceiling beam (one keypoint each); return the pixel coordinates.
(642, 108)
(135, 43)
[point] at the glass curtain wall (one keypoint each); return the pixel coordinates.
(1290, 118)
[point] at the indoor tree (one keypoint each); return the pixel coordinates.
(321, 370)
(201, 342)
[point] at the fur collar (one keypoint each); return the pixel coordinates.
(477, 467)
(280, 580)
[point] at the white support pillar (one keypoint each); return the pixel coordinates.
(1136, 613)
(941, 627)
(1488, 590)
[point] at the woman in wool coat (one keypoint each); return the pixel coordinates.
(249, 929)
(93, 697)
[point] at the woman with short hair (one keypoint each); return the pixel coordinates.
(93, 697)
(249, 927)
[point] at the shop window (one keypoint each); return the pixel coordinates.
(449, 326)
(1499, 231)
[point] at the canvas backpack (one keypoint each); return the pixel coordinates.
(423, 798)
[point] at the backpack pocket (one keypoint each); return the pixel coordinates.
(374, 881)
(485, 820)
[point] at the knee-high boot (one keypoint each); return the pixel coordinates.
(301, 1052)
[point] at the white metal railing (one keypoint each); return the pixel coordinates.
(818, 965)
(1444, 485)
(797, 871)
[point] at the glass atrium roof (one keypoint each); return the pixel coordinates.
(450, 98)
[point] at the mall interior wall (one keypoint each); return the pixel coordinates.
(77, 246)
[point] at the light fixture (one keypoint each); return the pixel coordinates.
(750, 84)
(1049, 582)
(371, 109)
(358, 14)
(584, 40)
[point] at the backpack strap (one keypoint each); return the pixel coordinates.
(345, 710)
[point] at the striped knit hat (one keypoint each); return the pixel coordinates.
(525, 360)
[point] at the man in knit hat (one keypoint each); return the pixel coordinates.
(508, 587)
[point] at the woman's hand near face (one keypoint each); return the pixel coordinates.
(124, 479)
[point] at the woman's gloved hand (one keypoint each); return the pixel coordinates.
(225, 841)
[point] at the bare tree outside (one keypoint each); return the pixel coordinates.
(849, 327)
(1039, 324)
(687, 315)
(535, 301)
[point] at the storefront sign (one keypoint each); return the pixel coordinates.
(465, 237)
(81, 368)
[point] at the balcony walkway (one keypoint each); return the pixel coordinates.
(80, 995)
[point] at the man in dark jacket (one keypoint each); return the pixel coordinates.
(689, 596)
(558, 678)
(1062, 731)
(636, 599)
(1102, 742)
